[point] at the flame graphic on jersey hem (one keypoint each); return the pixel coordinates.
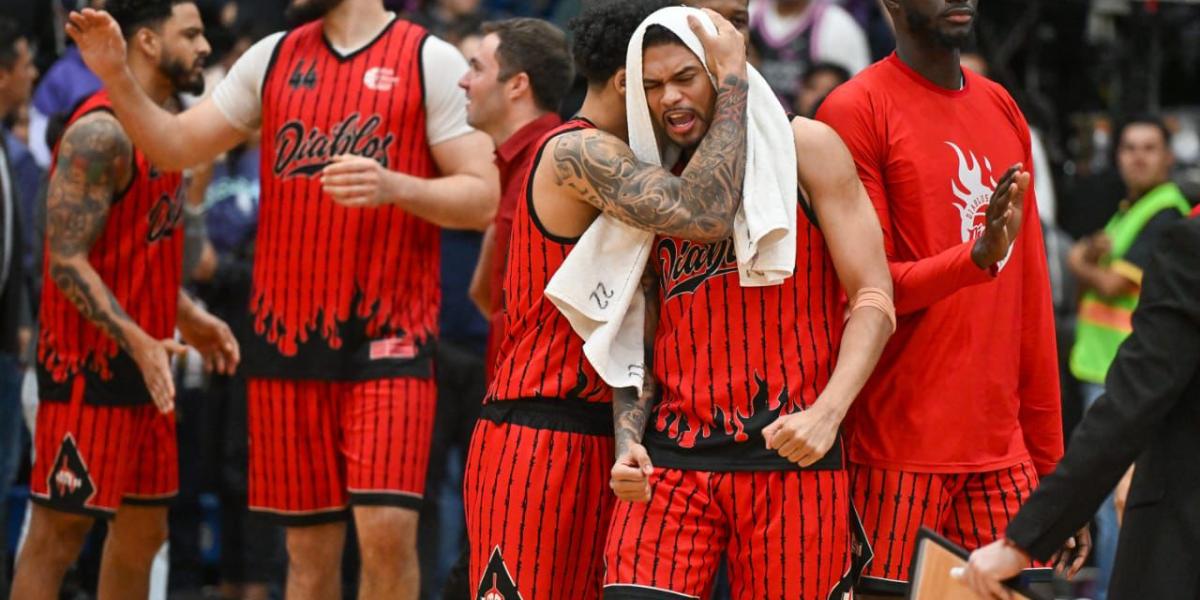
(764, 408)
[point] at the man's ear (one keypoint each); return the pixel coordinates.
(619, 81)
(518, 84)
(148, 42)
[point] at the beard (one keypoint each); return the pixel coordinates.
(923, 26)
(184, 78)
(300, 12)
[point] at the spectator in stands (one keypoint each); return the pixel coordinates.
(789, 36)
(818, 81)
(65, 84)
(445, 18)
(16, 80)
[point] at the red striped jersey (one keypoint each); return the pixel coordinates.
(541, 357)
(139, 256)
(729, 360)
(342, 293)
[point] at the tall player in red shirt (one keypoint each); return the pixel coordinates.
(366, 151)
(963, 414)
(105, 436)
(535, 490)
(742, 459)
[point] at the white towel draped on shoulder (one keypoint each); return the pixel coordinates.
(598, 287)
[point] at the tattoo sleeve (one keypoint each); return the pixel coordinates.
(94, 161)
(631, 407)
(698, 205)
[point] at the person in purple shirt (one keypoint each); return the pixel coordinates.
(66, 84)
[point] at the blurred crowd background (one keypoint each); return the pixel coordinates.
(1076, 67)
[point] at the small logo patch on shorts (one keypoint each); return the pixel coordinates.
(69, 481)
(397, 347)
(497, 583)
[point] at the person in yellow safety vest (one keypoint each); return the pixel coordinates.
(1109, 267)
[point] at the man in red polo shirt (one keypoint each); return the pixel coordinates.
(514, 87)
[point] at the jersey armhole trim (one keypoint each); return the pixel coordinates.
(529, 205)
(421, 73)
(262, 85)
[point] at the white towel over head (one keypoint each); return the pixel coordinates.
(597, 288)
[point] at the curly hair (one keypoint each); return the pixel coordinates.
(602, 31)
(133, 15)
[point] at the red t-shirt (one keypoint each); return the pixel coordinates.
(969, 382)
(512, 160)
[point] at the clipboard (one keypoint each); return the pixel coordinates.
(933, 558)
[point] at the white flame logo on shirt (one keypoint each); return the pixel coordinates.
(974, 194)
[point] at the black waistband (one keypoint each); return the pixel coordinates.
(555, 414)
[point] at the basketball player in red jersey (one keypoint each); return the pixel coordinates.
(105, 436)
(535, 490)
(742, 459)
(366, 151)
(963, 413)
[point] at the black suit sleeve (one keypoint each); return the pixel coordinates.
(1145, 382)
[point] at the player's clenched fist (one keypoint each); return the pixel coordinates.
(804, 437)
(631, 474)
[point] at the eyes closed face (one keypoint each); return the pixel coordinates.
(679, 92)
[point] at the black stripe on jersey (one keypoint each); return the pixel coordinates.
(912, 501)
(512, 468)
(1017, 491)
(1003, 497)
(803, 529)
(982, 477)
(705, 480)
(662, 523)
(821, 522)
(687, 503)
(766, 560)
(572, 492)
(783, 513)
(541, 513)
(812, 334)
(974, 525)
(1029, 482)
(528, 471)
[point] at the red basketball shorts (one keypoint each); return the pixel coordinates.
(317, 447)
(90, 458)
(538, 506)
(969, 509)
(784, 534)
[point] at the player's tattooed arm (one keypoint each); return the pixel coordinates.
(699, 204)
(631, 411)
(631, 407)
(94, 163)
